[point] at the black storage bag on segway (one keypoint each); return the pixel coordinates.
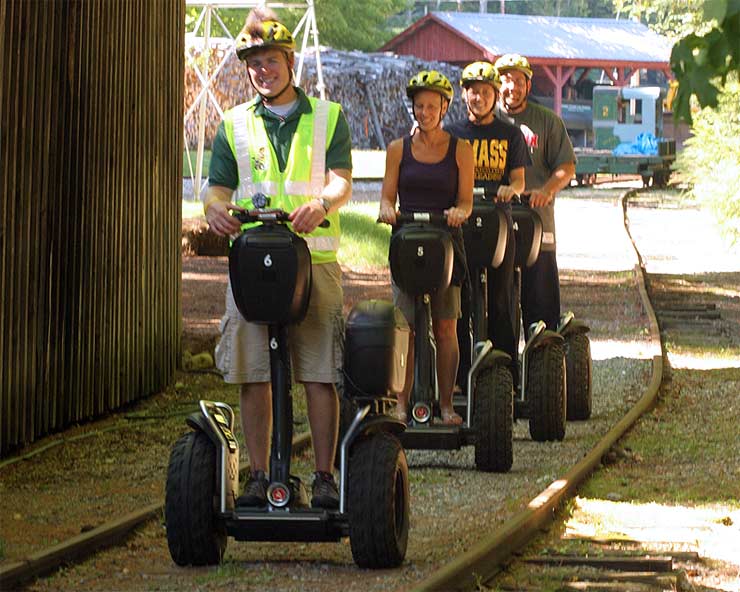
(270, 274)
(375, 348)
(485, 236)
(421, 258)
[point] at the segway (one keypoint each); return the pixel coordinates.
(541, 396)
(485, 235)
(270, 274)
(421, 260)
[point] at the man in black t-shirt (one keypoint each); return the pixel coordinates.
(501, 155)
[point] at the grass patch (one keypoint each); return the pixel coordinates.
(228, 571)
(186, 171)
(364, 243)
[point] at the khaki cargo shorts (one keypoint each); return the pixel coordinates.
(445, 304)
(316, 344)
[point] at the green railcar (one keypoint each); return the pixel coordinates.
(620, 115)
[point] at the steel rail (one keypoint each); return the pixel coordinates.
(483, 560)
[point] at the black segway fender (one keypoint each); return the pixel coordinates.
(197, 422)
(227, 448)
(495, 357)
(574, 326)
(372, 424)
(546, 337)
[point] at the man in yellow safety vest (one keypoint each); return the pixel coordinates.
(297, 150)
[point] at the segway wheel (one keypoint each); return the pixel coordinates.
(546, 392)
(378, 502)
(494, 419)
(194, 534)
(578, 376)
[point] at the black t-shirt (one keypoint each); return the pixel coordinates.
(498, 147)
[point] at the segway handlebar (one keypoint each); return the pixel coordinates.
(401, 218)
(268, 215)
(481, 192)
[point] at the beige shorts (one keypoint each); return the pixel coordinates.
(316, 344)
(445, 304)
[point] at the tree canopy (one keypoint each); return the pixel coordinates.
(703, 62)
(342, 24)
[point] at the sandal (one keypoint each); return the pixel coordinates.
(450, 417)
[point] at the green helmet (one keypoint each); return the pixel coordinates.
(266, 34)
(480, 72)
(514, 61)
(430, 80)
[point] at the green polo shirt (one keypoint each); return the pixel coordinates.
(223, 170)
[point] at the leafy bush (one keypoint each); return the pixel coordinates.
(710, 160)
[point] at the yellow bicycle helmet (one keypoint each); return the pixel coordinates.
(514, 61)
(480, 72)
(267, 33)
(430, 80)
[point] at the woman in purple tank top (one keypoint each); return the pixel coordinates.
(431, 171)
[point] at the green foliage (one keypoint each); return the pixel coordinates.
(671, 18)
(232, 18)
(342, 24)
(710, 160)
(577, 8)
(356, 24)
(702, 62)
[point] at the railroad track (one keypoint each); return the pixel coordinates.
(475, 565)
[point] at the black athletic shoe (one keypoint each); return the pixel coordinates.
(324, 491)
(255, 491)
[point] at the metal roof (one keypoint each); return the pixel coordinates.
(561, 38)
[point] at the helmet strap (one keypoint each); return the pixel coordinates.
(267, 99)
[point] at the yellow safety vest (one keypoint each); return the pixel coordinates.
(304, 176)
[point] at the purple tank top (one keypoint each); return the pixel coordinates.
(426, 187)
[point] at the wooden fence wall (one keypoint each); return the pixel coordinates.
(91, 95)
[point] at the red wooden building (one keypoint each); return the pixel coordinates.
(563, 51)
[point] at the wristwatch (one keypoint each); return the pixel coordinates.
(325, 204)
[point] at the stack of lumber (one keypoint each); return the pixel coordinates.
(369, 86)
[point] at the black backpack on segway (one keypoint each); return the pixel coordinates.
(542, 388)
(270, 273)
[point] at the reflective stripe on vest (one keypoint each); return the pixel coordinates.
(304, 177)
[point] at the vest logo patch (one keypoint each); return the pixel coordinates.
(258, 161)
